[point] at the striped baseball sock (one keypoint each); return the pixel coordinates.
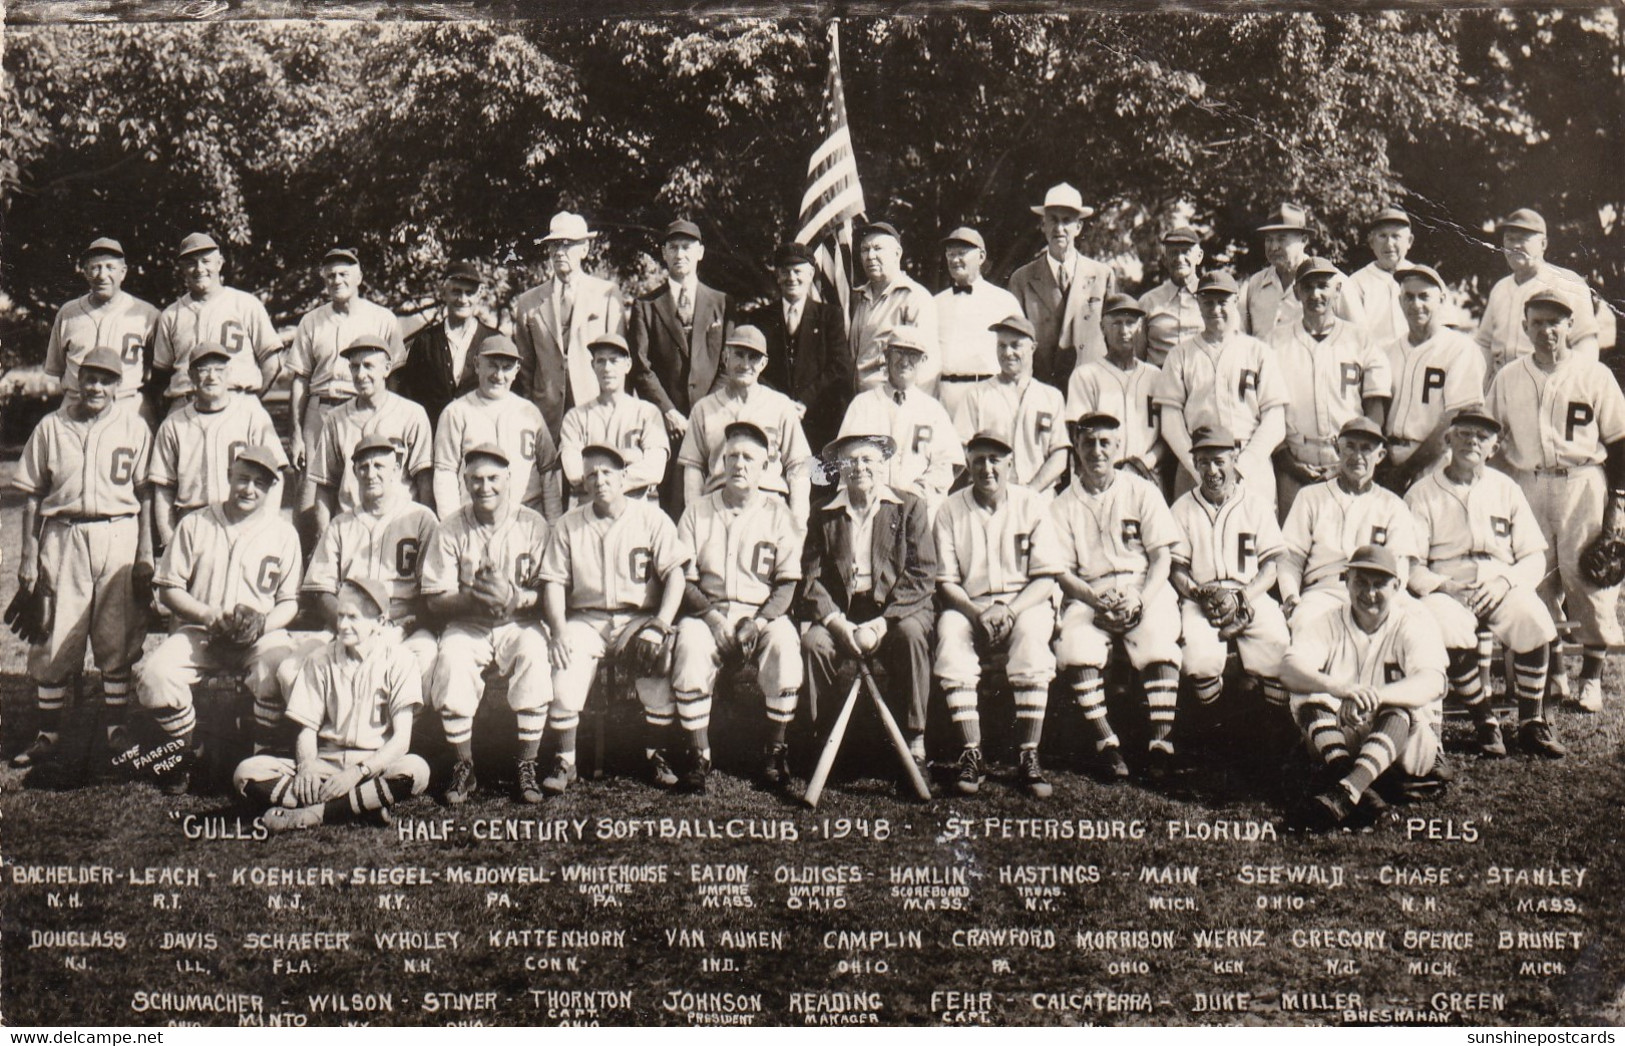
(1317, 719)
(962, 709)
(1274, 693)
(115, 701)
(1161, 682)
(694, 712)
(1089, 689)
(529, 724)
(781, 712)
(1467, 683)
(1591, 665)
(50, 702)
(1030, 705)
(1529, 682)
(177, 722)
(1381, 747)
(1207, 688)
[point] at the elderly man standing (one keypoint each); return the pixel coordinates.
(556, 321)
(808, 358)
(966, 314)
(1123, 386)
(676, 333)
(1061, 290)
(890, 301)
(928, 449)
(1374, 289)
(1437, 372)
(1267, 300)
(1501, 334)
(104, 315)
(439, 363)
(1171, 310)
(1019, 409)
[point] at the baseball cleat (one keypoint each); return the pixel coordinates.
(1590, 699)
(971, 772)
(561, 777)
(1535, 738)
(529, 791)
(1557, 685)
(1110, 766)
(1491, 744)
(661, 775)
(776, 766)
(1159, 761)
(291, 819)
(463, 783)
(694, 777)
(178, 781)
(41, 750)
(1030, 776)
(1329, 809)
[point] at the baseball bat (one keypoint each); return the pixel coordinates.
(832, 747)
(921, 788)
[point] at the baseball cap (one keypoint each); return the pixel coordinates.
(1063, 197)
(208, 350)
(372, 443)
(486, 450)
(103, 358)
(462, 270)
(1362, 426)
(1210, 437)
(745, 430)
(907, 338)
(1219, 281)
(747, 337)
(1288, 217)
(568, 226)
(966, 235)
(880, 229)
(1550, 299)
(341, 254)
(1389, 216)
(365, 344)
(1375, 558)
(682, 227)
(989, 441)
(604, 451)
(844, 445)
(195, 242)
(500, 345)
(1120, 303)
(1015, 324)
(1523, 218)
(1475, 416)
(1314, 267)
(1182, 234)
(376, 591)
(793, 253)
(104, 245)
(1098, 419)
(262, 458)
(1424, 272)
(606, 340)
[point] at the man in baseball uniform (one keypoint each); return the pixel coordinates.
(104, 315)
(1267, 300)
(1019, 409)
(1374, 289)
(615, 419)
(1229, 540)
(1563, 423)
(966, 314)
(612, 563)
(479, 579)
(1332, 372)
(372, 411)
(928, 448)
(1485, 558)
(1061, 290)
(84, 540)
(1330, 519)
(747, 561)
(741, 397)
(1501, 333)
(492, 413)
(1123, 386)
(1117, 539)
(890, 301)
(1222, 379)
(1172, 313)
(354, 702)
(211, 312)
(1437, 371)
(195, 445)
(321, 376)
(997, 561)
(1367, 683)
(226, 557)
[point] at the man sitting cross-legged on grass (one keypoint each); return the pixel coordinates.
(353, 702)
(1367, 683)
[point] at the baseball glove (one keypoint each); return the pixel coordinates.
(747, 635)
(242, 626)
(28, 615)
(1602, 562)
(1227, 610)
(494, 592)
(644, 646)
(1120, 616)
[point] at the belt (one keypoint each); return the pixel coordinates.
(76, 520)
(956, 378)
(333, 401)
(1399, 441)
(1562, 470)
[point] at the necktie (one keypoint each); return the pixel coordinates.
(962, 288)
(792, 319)
(1066, 279)
(567, 305)
(897, 396)
(685, 308)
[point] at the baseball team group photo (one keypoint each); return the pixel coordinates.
(1138, 442)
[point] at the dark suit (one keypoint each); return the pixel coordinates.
(671, 368)
(815, 367)
(426, 376)
(904, 573)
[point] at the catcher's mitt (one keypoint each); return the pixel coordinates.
(494, 592)
(1227, 610)
(241, 627)
(1602, 562)
(29, 614)
(644, 647)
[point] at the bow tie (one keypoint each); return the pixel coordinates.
(963, 288)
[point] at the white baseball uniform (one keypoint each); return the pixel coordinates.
(1325, 383)
(1442, 375)
(511, 422)
(1229, 385)
(928, 447)
(1229, 542)
(769, 410)
(1101, 386)
(232, 318)
(1500, 333)
(1029, 416)
(630, 425)
(124, 323)
(396, 418)
(323, 333)
(194, 449)
(1325, 527)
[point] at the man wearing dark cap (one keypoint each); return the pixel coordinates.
(1367, 683)
(211, 312)
(1374, 289)
(1171, 310)
(1018, 408)
(227, 561)
(321, 378)
(1329, 520)
(966, 313)
(1332, 372)
(676, 332)
(889, 301)
(615, 419)
(1124, 386)
(1563, 439)
(1437, 372)
(83, 477)
(439, 364)
(556, 320)
(1501, 331)
(1267, 300)
(104, 315)
(808, 358)
(1061, 290)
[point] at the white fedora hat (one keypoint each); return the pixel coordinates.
(1064, 197)
(567, 226)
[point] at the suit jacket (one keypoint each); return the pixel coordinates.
(669, 370)
(1068, 331)
(425, 375)
(904, 559)
(814, 367)
(555, 369)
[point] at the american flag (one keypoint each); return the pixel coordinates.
(833, 197)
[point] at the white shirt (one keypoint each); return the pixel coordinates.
(792, 315)
(967, 346)
(863, 534)
(457, 343)
(678, 287)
